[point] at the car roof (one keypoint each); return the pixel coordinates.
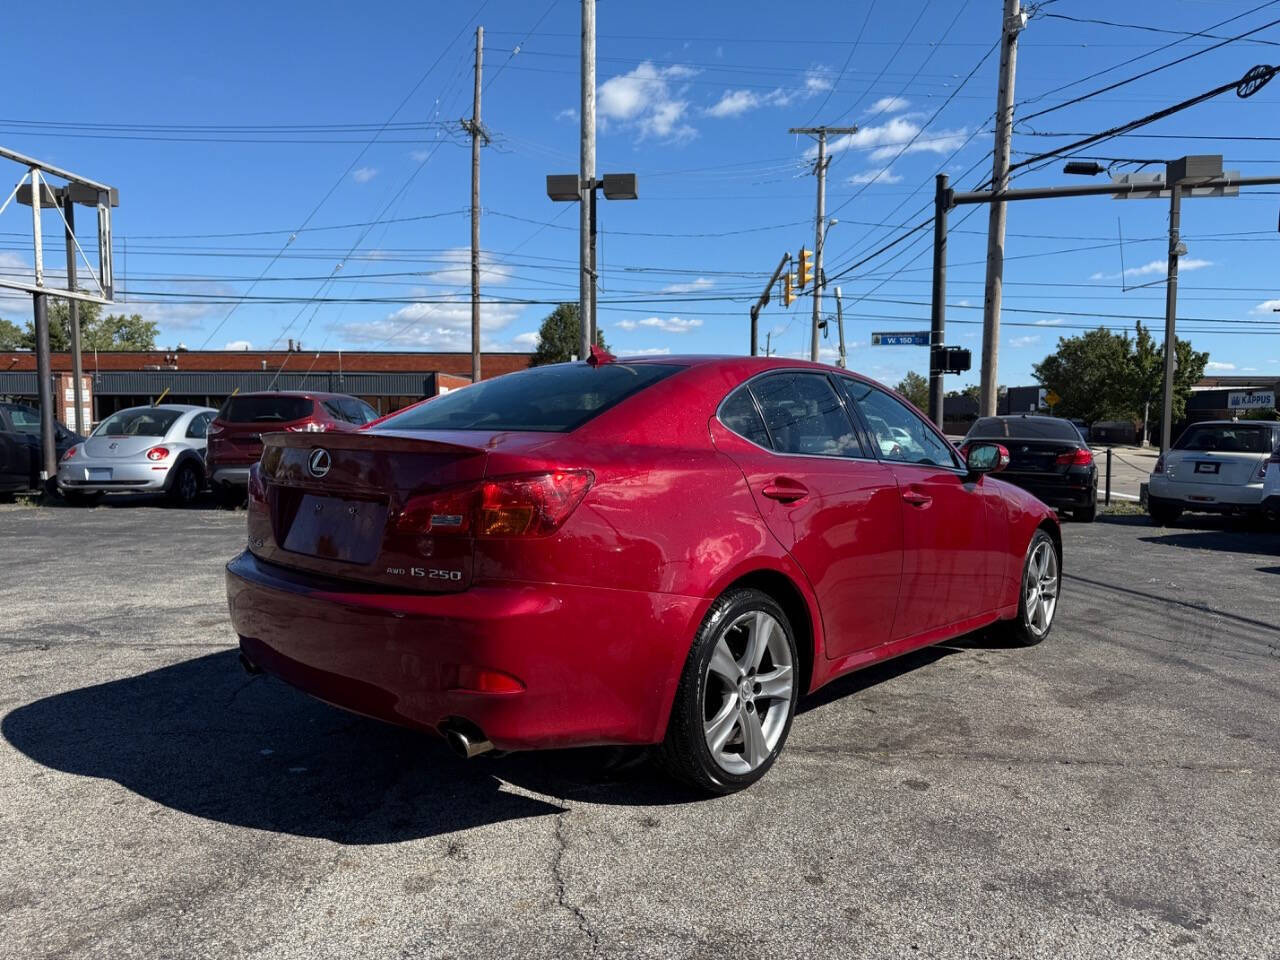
(290, 393)
(179, 407)
(1231, 423)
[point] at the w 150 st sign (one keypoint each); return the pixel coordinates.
(1251, 400)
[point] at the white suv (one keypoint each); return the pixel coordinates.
(1215, 467)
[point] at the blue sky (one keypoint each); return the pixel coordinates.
(226, 126)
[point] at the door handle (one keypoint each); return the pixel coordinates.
(785, 490)
(916, 498)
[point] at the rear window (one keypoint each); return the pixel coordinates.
(1227, 438)
(146, 422)
(1025, 428)
(254, 409)
(552, 399)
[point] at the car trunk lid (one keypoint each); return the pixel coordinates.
(107, 447)
(1212, 467)
(1042, 456)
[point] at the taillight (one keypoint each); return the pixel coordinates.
(1262, 467)
(522, 506)
(157, 453)
(215, 428)
(309, 427)
(71, 452)
(486, 680)
(1159, 467)
(1076, 458)
(257, 491)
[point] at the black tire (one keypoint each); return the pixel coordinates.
(685, 752)
(1085, 514)
(1163, 515)
(185, 485)
(78, 499)
(1022, 630)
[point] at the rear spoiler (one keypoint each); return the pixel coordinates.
(397, 441)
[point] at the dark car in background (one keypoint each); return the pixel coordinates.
(20, 448)
(235, 436)
(1047, 457)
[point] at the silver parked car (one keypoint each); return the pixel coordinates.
(156, 449)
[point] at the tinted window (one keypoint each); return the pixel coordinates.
(740, 415)
(199, 427)
(139, 422)
(555, 399)
(897, 431)
(1031, 428)
(357, 411)
(335, 410)
(803, 415)
(259, 409)
(1228, 438)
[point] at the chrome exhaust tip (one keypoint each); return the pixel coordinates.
(466, 743)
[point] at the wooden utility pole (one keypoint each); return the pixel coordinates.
(819, 224)
(1014, 21)
(587, 184)
(478, 134)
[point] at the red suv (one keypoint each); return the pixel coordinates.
(235, 436)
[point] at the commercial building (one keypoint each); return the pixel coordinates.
(112, 381)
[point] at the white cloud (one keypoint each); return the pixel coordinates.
(648, 100)
(1267, 306)
(671, 324)
(529, 339)
(457, 269)
(817, 79)
(1219, 367)
(1155, 268)
(890, 105)
(1025, 341)
(568, 114)
(625, 324)
(702, 283)
(443, 324)
(891, 138)
(419, 156)
(238, 345)
(646, 352)
(1049, 323)
(736, 102)
(364, 174)
(883, 175)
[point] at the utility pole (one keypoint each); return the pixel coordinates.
(478, 134)
(763, 301)
(73, 312)
(586, 183)
(768, 344)
(843, 360)
(1014, 21)
(938, 316)
(1170, 313)
(819, 225)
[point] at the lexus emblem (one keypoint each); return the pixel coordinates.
(318, 462)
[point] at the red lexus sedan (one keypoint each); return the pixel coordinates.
(661, 551)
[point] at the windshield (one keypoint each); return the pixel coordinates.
(142, 422)
(554, 399)
(1227, 438)
(282, 408)
(1024, 428)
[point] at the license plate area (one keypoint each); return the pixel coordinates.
(336, 528)
(1203, 466)
(98, 473)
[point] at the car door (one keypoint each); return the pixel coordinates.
(198, 430)
(27, 460)
(832, 505)
(947, 572)
(13, 456)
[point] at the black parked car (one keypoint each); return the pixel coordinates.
(1047, 457)
(20, 457)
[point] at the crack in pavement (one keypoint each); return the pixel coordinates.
(557, 875)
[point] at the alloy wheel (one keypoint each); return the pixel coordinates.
(1040, 588)
(748, 692)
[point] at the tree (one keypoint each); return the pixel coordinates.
(115, 331)
(560, 336)
(915, 388)
(10, 335)
(1102, 375)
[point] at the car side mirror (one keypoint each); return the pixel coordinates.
(986, 458)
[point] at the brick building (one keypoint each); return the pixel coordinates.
(387, 380)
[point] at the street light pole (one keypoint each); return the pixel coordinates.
(1170, 314)
(586, 183)
(73, 311)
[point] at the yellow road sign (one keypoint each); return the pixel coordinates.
(1052, 399)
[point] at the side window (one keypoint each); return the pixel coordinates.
(740, 415)
(803, 415)
(898, 432)
(199, 427)
(355, 410)
(331, 407)
(25, 420)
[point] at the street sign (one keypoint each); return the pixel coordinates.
(1252, 400)
(918, 339)
(1158, 189)
(1052, 399)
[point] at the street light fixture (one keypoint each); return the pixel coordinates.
(568, 187)
(1083, 168)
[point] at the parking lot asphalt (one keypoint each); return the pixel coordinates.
(1109, 793)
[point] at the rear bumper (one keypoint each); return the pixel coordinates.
(598, 665)
(125, 476)
(1209, 497)
(1069, 492)
(234, 476)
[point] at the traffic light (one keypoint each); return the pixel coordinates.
(804, 269)
(788, 297)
